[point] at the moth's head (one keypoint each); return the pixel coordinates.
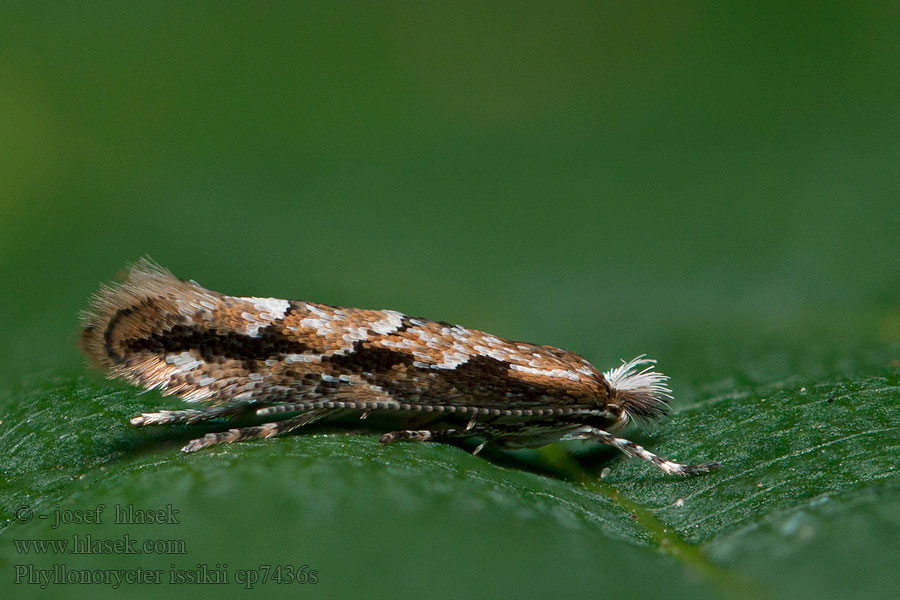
(637, 391)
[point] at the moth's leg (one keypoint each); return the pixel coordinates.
(266, 430)
(281, 408)
(424, 435)
(192, 415)
(416, 435)
(632, 449)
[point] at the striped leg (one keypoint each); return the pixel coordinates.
(632, 449)
(266, 430)
(416, 435)
(424, 435)
(191, 415)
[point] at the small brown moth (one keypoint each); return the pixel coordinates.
(240, 356)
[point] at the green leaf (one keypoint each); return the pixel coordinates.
(808, 474)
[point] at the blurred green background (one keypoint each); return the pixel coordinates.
(717, 186)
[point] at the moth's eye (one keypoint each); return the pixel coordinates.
(606, 389)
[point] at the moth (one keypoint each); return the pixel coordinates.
(296, 362)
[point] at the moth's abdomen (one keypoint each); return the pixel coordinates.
(156, 331)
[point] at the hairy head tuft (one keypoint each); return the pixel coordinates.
(638, 389)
